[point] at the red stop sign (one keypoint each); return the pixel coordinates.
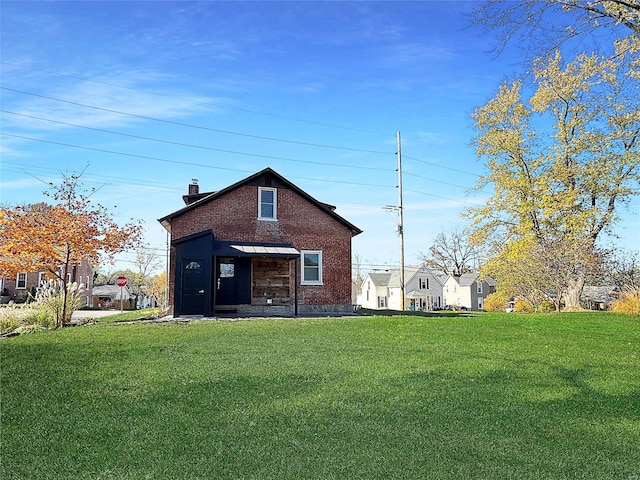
(121, 281)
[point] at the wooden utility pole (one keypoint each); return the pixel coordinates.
(400, 221)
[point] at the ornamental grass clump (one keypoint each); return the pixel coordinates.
(628, 302)
(44, 311)
(50, 303)
(12, 316)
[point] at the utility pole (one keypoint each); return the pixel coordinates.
(400, 222)
(399, 219)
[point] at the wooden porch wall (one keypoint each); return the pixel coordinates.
(271, 280)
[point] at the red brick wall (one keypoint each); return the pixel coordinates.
(234, 217)
(78, 274)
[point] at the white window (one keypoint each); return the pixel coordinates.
(42, 278)
(479, 287)
(480, 304)
(267, 203)
(382, 302)
(21, 280)
(311, 267)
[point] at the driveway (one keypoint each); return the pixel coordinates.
(86, 314)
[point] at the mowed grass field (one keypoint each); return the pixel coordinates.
(481, 396)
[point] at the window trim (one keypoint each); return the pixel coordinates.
(479, 287)
(275, 203)
(303, 281)
(18, 287)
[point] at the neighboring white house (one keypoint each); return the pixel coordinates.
(109, 296)
(467, 291)
(375, 291)
(422, 291)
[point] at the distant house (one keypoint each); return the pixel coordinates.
(259, 246)
(598, 297)
(113, 296)
(17, 289)
(375, 291)
(467, 291)
(422, 291)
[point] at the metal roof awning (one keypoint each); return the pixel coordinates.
(266, 250)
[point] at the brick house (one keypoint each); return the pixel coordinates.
(17, 289)
(259, 246)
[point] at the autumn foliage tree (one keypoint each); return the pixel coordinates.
(54, 238)
(562, 159)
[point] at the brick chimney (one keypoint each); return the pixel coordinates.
(194, 189)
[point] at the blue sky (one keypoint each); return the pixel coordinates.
(145, 96)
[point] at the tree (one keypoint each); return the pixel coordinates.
(158, 288)
(623, 270)
(561, 163)
(452, 253)
(146, 262)
(54, 238)
(546, 25)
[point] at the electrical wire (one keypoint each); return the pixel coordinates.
(201, 147)
(200, 127)
(179, 162)
(201, 102)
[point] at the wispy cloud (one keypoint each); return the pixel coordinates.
(102, 102)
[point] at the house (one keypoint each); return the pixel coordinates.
(422, 291)
(113, 296)
(598, 297)
(18, 289)
(259, 246)
(375, 291)
(467, 291)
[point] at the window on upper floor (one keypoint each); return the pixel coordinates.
(267, 203)
(311, 267)
(479, 287)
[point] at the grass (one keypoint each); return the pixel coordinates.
(484, 396)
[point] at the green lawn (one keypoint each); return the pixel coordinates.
(483, 396)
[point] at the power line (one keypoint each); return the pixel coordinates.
(200, 127)
(442, 166)
(181, 144)
(178, 162)
(438, 181)
(208, 103)
(438, 196)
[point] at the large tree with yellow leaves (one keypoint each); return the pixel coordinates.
(563, 155)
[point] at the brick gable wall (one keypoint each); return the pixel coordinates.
(234, 217)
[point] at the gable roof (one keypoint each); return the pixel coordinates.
(326, 208)
(391, 278)
(380, 279)
(468, 279)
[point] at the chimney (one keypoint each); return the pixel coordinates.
(194, 189)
